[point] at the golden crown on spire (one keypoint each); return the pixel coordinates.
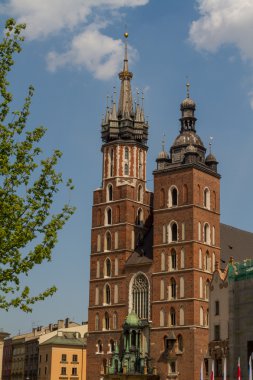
(126, 35)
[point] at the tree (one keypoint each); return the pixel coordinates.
(28, 185)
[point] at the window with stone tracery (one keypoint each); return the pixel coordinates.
(140, 296)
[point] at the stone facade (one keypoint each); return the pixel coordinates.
(153, 253)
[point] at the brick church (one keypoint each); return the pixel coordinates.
(152, 254)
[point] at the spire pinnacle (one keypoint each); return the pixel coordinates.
(125, 101)
(188, 89)
(210, 144)
(163, 142)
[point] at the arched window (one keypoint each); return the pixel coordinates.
(164, 233)
(106, 321)
(162, 318)
(207, 198)
(108, 241)
(126, 153)
(199, 231)
(200, 259)
(180, 343)
(108, 216)
(107, 268)
(181, 287)
(109, 192)
(97, 322)
(140, 194)
(115, 320)
(199, 195)
(173, 257)
(213, 262)
(172, 316)
(173, 197)
(107, 294)
(214, 200)
(173, 231)
(140, 217)
(116, 294)
(111, 346)
(173, 286)
(201, 316)
(162, 198)
(126, 170)
(181, 316)
(111, 162)
(140, 296)
(161, 289)
(183, 231)
(100, 347)
(116, 240)
(185, 194)
(206, 233)
(182, 259)
(162, 261)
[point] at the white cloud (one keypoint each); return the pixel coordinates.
(89, 48)
(224, 22)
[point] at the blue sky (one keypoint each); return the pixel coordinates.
(72, 54)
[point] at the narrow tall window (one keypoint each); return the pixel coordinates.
(116, 267)
(181, 287)
(206, 233)
(116, 294)
(162, 318)
(162, 290)
(107, 321)
(181, 316)
(107, 295)
(172, 317)
(182, 259)
(207, 290)
(217, 308)
(98, 243)
(100, 347)
(201, 287)
(116, 240)
(108, 241)
(126, 153)
(162, 261)
(201, 316)
(107, 268)
(108, 216)
(173, 285)
(173, 260)
(140, 164)
(180, 343)
(98, 269)
(183, 231)
(207, 198)
(140, 194)
(109, 193)
(140, 296)
(213, 236)
(140, 217)
(126, 170)
(97, 295)
(174, 197)
(199, 231)
(164, 234)
(174, 232)
(200, 258)
(115, 320)
(97, 322)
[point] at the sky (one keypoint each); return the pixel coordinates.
(72, 55)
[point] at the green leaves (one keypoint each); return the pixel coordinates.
(28, 185)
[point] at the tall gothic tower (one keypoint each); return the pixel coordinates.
(153, 264)
(121, 220)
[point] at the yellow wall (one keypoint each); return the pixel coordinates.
(54, 363)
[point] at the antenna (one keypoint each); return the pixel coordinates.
(210, 144)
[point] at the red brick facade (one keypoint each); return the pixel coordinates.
(183, 217)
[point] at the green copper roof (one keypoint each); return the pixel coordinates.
(132, 319)
(240, 271)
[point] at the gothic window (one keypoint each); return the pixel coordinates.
(100, 347)
(207, 198)
(214, 200)
(107, 268)
(183, 231)
(164, 234)
(162, 318)
(107, 294)
(116, 266)
(172, 317)
(162, 261)
(207, 290)
(116, 240)
(140, 296)
(111, 163)
(109, 193)
(173, 286)
(173, 259)
(173, 197)
(172, 367)
(213, 236)
(213, 262)
(108, 241)
(126, 170)
(206, 233)
(97, 322)
(106, 321)
(180, 343)
(173, 232)
(181, 316)
(112, 346)
(140, 194)
(126, 153)
(199, 231)
(199, 194)
(140, 164)
(201, 287)
(207, 262)
(115, 320)
(108, 216)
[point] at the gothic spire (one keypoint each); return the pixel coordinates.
(125, 108)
